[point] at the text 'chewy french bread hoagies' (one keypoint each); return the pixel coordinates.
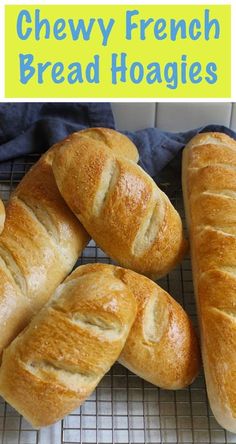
(41, 241)
(209, 185)
(120, 206)
(58, 360)
(2, 215)
(162, 346)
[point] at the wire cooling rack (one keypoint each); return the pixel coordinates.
(124, 409)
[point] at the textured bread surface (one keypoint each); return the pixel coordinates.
(39, 246)
(162, 346)
(57, 361)
(117, 142)
(209, 185)
(42, 239)
(120, 206)
(2, 215)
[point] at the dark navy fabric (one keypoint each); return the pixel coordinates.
(28, 128)
(157, 148)
(33, 127)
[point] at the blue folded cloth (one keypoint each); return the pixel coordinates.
(30, 128)
(161, 153)
(27, 128)
(157, 148)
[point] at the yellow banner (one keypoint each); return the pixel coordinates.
(114, 51)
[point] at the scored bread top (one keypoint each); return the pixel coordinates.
(119, 205)
(39, 246)
(209, 185)
(42, 239)
(117, 142)
(162, 346)
(58, 360)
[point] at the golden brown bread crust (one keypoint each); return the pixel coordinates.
(119, 205)
(117, 142)
(209, 185)
(39, 246)
(162, 346)
(58, 360)
(42, 239)
(2, 215)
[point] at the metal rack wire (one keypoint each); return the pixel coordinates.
(124, 409)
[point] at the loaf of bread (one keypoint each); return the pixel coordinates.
(58, 360)
(209, 185)
(162, 346)
(42, 239)
(39, 246)
(119, 205)
(2, 215)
